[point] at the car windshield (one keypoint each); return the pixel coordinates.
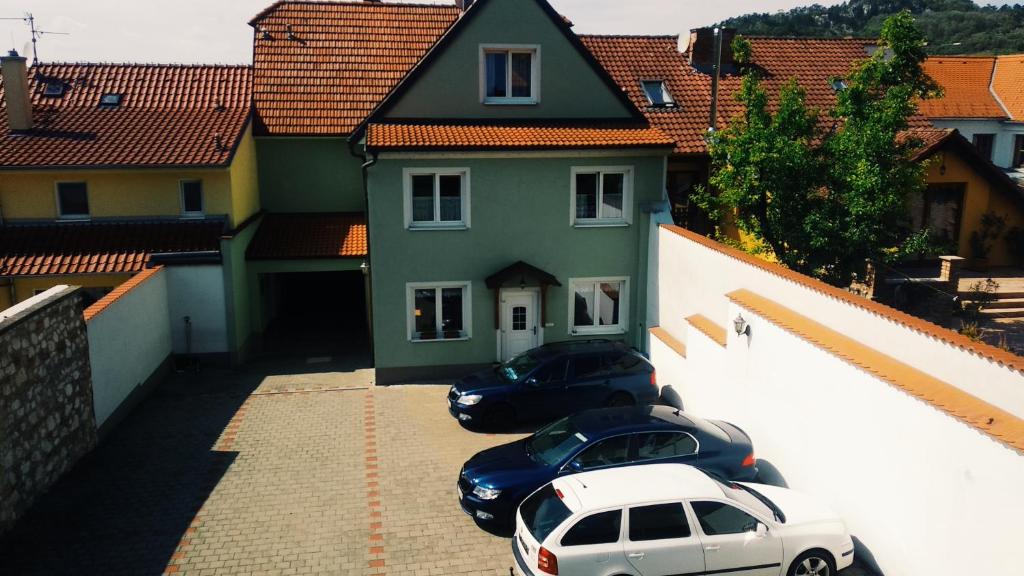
(555, 442)
(543, 511)
(516, 368)
(749, 497)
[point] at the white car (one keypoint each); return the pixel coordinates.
(673, 519)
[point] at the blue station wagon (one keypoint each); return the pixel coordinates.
(492, 483)
(552, 381)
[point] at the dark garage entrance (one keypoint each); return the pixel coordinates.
(315, 314)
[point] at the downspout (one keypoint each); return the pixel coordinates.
(369, 159)
(716, 71)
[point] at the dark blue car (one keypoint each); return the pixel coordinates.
(493, 483)
(552, 381)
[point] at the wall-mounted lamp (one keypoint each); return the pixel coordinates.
(522, 283)
(741, 325)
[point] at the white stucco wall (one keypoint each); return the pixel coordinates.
(128, 340)
(197, 292)
(922, 491)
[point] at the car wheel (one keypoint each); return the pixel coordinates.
(620, 399)
(501, 417)
(813, 563)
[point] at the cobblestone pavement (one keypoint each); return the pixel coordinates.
(287, 467)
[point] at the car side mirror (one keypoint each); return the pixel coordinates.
(761, 531)
(532, 382)
(574, 466)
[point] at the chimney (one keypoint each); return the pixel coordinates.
(16, 96)
(702, 48)
(463, 4)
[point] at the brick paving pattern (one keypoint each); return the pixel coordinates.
(289, 469)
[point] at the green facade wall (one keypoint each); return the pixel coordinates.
(238, 292)
(450, 86)
(309, 175)
(520, 210)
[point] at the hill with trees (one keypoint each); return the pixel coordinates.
(950, 26)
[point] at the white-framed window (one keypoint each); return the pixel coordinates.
(601, 196)
(72, 200)
(598, 305)
(657, 93)
(510, 73)
(436, 198)
(439, 311)
(191, 198)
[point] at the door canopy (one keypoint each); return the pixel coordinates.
(521, 274)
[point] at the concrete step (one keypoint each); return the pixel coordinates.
(1003, 312)
(967, 295)
(1006, 303)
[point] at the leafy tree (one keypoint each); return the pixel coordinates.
(824, 201)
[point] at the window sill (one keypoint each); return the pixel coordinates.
(420, 227)
(510, 101)
(599, 224)
(438, 340)
(193, 216)
(74, 218)
(598, 331)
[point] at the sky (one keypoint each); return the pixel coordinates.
(216, 31)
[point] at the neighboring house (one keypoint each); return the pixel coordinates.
(510, 182)
(106, 168)
(983, 99)
(674, 90)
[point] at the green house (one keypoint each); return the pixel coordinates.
(482, 179)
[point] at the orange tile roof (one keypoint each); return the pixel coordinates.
(299, 236)
(114, 295)
(708, 327)
(995, 422)
(965, 82)
(342, 59)
(170, 115)
(535, 136)
(812, 61)
(1008, 84)
(99, 247)
(998, 355)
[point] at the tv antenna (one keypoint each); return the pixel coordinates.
(36, 33)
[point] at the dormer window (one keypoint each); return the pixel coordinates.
(53, 89)
(658, 94)
(110, 100)
(839, 85)
(510, 74)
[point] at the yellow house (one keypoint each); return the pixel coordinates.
(962, 187)
(103, 166)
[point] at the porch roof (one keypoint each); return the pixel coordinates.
(309, 236)
(522, 270)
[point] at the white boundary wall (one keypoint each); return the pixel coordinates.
(922, 491)
(128, 341)
(198, 292)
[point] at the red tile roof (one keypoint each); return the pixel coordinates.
(99, 247)
(340, 60)
(537, 136)
(298, 236)
(812, 61)
(965, 81)
(97, 307)
(1008, 84)
(170, 115)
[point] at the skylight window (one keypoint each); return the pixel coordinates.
(110, 100)
(839, 85)
(657, 93)
(53, 89)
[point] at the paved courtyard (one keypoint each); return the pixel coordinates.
(288, 467)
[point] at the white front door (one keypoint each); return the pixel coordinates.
(519, 330)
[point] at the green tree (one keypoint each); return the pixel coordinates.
(823, 202)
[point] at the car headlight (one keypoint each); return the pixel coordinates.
(486, 493)
(469, 399)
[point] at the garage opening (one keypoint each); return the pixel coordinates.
(317, 314)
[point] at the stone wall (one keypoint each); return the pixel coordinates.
(46, 407)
